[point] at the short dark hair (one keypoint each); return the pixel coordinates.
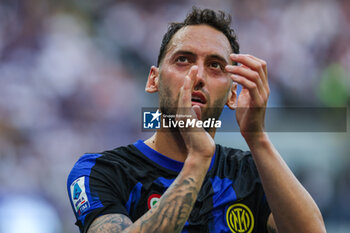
(218, 20)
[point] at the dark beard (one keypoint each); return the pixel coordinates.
(214, 112)
(166, 104)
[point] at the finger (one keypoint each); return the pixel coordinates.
(184, 109)
(262, 62)
(251, 62)
(192, 73)
(187, 88)
(254, 64)
(248, 73)
(245, 60)
(264, 68)
(251, 87)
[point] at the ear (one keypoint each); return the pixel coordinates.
(232, 96)
(152, 81)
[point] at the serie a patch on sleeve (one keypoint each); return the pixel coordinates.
(79, 197)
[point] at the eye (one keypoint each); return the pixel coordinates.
(182, 59)
(215, 65)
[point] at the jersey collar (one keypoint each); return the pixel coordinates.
(161, 159)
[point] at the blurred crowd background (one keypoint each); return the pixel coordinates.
(72, 77)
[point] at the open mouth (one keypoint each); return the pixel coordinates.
(198, 97)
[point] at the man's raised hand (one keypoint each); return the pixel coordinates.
(197, 141)
(252, 101)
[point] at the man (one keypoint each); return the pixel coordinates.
(179, 180)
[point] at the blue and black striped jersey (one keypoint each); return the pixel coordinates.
(130, 180)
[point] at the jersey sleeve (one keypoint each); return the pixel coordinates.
(92, 190)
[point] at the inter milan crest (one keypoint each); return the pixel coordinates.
(239, 218)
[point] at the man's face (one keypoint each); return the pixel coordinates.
(207, 48)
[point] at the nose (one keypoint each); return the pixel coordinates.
(200, 78)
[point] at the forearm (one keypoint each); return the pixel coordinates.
(174, 207)
(292, 207)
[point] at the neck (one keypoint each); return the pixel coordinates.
(170, 144)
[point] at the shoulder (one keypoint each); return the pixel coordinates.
(102, 161)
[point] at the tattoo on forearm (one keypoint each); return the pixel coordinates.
(173, 211)
(110, 223)
(169, 214)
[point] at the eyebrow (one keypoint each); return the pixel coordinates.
(218, 57)
(184, 52)
(213, 56)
